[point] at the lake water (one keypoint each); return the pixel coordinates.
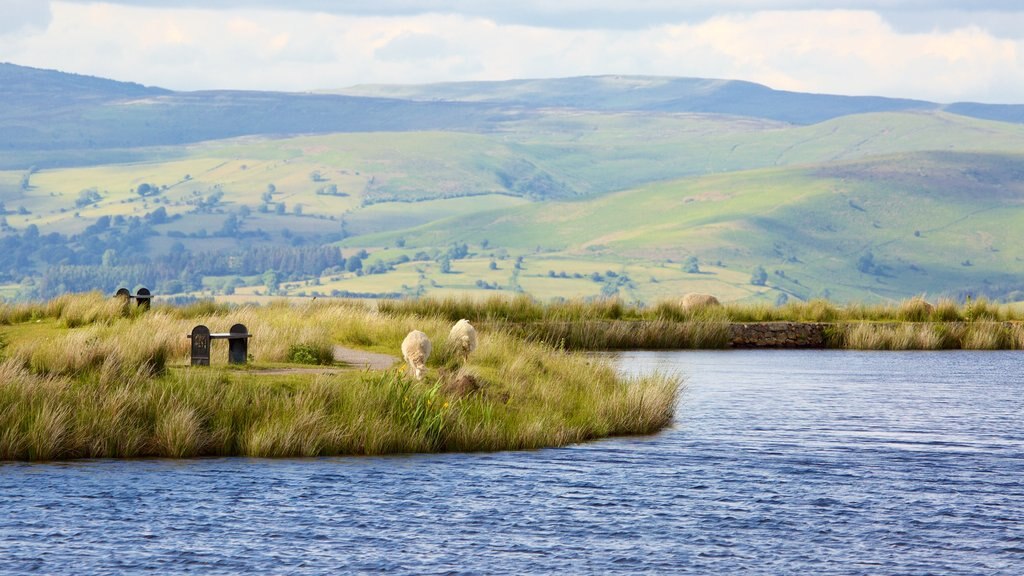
(780, 462)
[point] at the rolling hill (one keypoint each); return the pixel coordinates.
(559, 188)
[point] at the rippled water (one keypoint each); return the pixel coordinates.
(779, 463)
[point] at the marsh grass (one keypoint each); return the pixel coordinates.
(623, 335)
(523, 309)
(112, 385)
(929, 336)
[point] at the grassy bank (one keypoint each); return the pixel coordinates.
(613, 325)
(83, 377)
(520, 309)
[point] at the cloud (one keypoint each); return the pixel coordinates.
(413, 46)
(615, 14)
(831, 51)
(24, 15)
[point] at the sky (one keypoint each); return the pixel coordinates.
(939, 50)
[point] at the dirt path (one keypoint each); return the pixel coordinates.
(362, 359)
(354, 360)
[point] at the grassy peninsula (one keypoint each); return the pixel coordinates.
(84, 377)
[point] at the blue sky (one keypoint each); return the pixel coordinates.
(940, 50)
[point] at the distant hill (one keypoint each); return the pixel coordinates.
(50, 118)
(634, 186)
(38, 88)
(651, 93)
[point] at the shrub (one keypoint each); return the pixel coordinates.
(310, 354)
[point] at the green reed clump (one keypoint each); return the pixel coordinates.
(890, 336)
(22, 312)
(946, 310)
(310, 354)
(987, 336)
(928, 336)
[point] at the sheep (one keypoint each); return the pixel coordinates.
(694, 301)
(462, 338)
(416, 349)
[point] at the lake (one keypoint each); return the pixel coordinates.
(780, 462)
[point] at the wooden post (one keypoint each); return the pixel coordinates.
(238, 344)
(200, 346)
(142, 298)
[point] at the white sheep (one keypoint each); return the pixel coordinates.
(463, 338)
(416, 349)
(695, 301)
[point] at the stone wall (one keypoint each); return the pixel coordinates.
(778, 335)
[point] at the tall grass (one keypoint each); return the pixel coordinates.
(623, 335)
(118, 387)
(519, 309)
(929, 336)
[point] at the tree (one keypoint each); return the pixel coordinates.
(446, 265)
(86, 197)
(230, 227)
(759, 277)
(158, 216)
(494, 266)
(354, 264)
(109, 258)
(691, 265)
(280, 208)
(297, 209)
(271, 281)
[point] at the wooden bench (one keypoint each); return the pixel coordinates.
(142, 297)
(238, 344)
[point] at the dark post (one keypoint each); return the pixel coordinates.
(142, 298)
(200, 346)
(238, 345)
(126, 297)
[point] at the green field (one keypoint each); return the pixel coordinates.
(932, 197)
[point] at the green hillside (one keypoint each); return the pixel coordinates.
(579, 187)
(885, 228)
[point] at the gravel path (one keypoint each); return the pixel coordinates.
(363, 359)
(354, 360)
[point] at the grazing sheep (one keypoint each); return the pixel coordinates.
(695, 301)
(463, 338)
(416, 349)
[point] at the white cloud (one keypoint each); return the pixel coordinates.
(834, 51)
(23, 15)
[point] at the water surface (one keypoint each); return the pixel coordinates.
(780, 462)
